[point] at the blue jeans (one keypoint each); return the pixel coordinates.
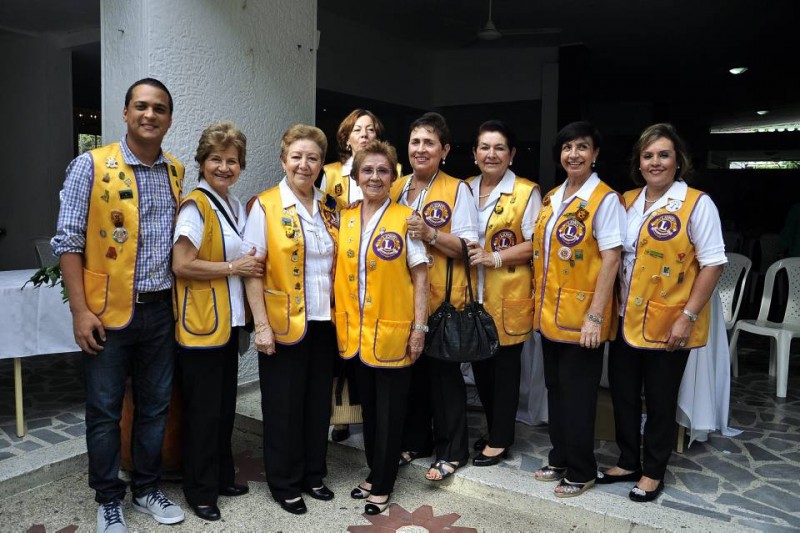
(145, 349)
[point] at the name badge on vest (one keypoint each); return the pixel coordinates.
(126, 194)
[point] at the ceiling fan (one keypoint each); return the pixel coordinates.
(490, 32)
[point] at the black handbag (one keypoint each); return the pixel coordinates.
(461, 336)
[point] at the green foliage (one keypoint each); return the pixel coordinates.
(48, 276)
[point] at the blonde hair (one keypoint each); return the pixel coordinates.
(300, 132)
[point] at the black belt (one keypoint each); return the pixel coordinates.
(156, 296)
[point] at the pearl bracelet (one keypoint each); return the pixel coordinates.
(498, 261)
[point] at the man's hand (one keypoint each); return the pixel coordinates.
(84, 326)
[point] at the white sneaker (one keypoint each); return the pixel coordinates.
(110, 518)
(160, 507)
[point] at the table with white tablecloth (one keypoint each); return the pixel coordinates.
(703, 400)
(33, 321)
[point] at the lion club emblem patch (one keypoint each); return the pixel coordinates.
(571, 232)
(664, 227)
(503, 239)
(436, 214)
(387, 245)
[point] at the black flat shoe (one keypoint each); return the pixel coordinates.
(607, 479)
(638, 495)
(323, 493)
(373, 508)
(485, 460)
(360, 493)
(338, 435)
(207, 512)
(480, 444)
(296, 507)
(234, 490)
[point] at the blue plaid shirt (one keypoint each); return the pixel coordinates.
(156, 216)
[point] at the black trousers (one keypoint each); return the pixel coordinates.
(384, 400)
(661, 373)
(417, 433)
(448, 395)
(497, 380)
(209, 379)
(296, 387)
(572, 375)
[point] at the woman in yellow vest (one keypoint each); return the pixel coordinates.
(209, 268)
(507, 209)
(443, 213)
(293, 227)
(672, 258)
(576, 252)
(381, 292)
(357, 129)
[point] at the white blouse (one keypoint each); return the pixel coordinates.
(190, 225)
(318, 249)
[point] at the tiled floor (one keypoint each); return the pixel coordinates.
(752, 480)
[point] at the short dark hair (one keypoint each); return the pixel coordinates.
(376, 147)
(153, 83)
(572, 131)
(498, 126)
(648, 137)
(435, 122)
(346, 128)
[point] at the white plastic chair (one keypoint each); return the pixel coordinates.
(781, 333)
(731, 286)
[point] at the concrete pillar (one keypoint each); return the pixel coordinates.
(250, 62)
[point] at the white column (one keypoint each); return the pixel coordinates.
(250, 62)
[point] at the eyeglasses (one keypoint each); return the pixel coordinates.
(382, 172)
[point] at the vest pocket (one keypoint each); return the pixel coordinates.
(342, 331)
(571, 308)
(517, 316)
(95, 287)
(658, 320)
(277, 303)
(200, 311)
(391, 339)
(458, 296)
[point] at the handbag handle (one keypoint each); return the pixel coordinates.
(449, 278)
(465, 255)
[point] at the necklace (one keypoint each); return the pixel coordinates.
(484, 195)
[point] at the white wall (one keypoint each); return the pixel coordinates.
(36, 92)
(245, 61)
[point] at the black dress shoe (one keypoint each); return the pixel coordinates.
(207, 512)
(234, 490)
(296, 507)
(638, 495)
(338, 435)
(485, 460)
(323, 493)
(606, 479)
(480, 444)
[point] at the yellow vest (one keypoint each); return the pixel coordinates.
(378, 331)
(437, 212)
(284, 276)
(566, 279)
(204, 306)
(508, 291)
(112, 234)
(337, 185)
(663, 276)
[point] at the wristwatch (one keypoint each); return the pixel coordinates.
(420, 327)
(692, 316)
